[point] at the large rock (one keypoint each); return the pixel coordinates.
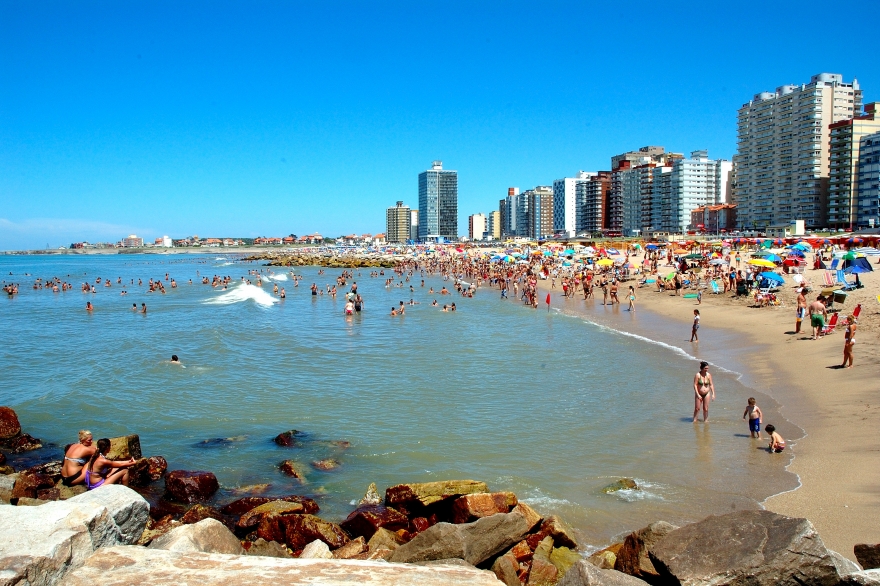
(473, 542)
(753, 548)
(125, 447)
(471, 507)
(261, 547)
(864, 578)
(385, 539)
(147, 470)
(23, 443)
(243, 505)
(124, 566)
(366, 519)
(353, 549)
(316, 550)
(584, 573)
(428, 493)
(40, 545)
(29, 483)
(207, 536)
(371, 497)
(868, 555)
(252, 518)
(200, 512)
(543, 571)
(9, 426)
(300, 530)
(288, 439)
(632, 557)
(560, 531)
(185, 486)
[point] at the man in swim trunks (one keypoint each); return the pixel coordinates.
(818, 312)
(801, 310)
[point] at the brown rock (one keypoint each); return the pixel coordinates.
(50, 469)
(521, 552)
(147, 470)
(24, 443)
(428, 493)
(366, 519)
(633, 558)
(300, 530)
(271, 527)
(381, 553)
(9, 425)
(294, 469)
(243, 505)
(564, 558)
(385, 539)
(67, 492)
(261, 547)
(543, 572)
(158, 528)
(471, 507)
(199, 512)
(507, 569)
(868, 555)
(2, 458)
(28, 483)
(351, 549)
(560, 531)
(29, 502)
(125, 447)
(190, 486)
(160, 508)
(49, 494)
(326, 465)
(288, 439)
(252, 518)
(6, 470)
(419, 524)
(605, 559)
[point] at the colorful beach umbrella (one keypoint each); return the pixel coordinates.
(605, 262)
(760, 262)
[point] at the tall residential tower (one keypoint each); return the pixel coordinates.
(438, 204)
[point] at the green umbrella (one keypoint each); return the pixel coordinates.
(849, 255)
(694, 256)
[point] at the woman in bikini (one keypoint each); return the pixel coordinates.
(75, 459)
(849, 340)
(101, 471)
(703, 386)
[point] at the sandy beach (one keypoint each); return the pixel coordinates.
(838, 460)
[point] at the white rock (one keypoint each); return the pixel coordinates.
(7, 481)
(130, 511)
(316, 550)
(206, 536)
(124, 566)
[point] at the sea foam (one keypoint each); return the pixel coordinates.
(243, 292)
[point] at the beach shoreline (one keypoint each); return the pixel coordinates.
(838, 458)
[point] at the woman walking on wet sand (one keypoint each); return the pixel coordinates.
(703, 387)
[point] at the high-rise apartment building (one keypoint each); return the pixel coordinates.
(414, 225)
(438, 204)
(564, 202)
(868, 199)
(507, 209)
(624, 196)
(685, 185)
(493, 227)
(592, 202)
(782, 160)
(477, 226)
(540, 207)
(397, 224)
(846, 137)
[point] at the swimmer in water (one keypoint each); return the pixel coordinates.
(89, 306)
(175, 359)
(144, 308)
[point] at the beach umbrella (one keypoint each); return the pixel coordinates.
(849, 256)
(651, 247)
(855, 240)
(694, 256)
(605, 262)
(613, 251)
(566, 264)
(760, 262)
(568, 251)
(773, 257)
(796, 252)
(774, 277)
(670, 276)
(679, 251)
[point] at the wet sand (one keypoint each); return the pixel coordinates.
(838, 460)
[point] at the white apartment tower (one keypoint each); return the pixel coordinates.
(685, 185)
(782, 160)
(564, 202)
(477, 226)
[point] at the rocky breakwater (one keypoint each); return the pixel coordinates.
(328, 259)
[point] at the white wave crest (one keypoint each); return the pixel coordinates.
(279, 277)
(244, 292)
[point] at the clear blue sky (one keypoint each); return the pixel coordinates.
(266, 118)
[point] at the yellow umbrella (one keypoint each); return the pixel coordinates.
(680, 251)
(760, 262)
(605, 262)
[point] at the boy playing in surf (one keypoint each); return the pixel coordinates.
(753, 412)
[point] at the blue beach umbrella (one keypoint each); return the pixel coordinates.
(773, 258)
(773, 277)
(651, 247)
(569, 251)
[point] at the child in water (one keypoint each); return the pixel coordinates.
(753, 412)
(777, 444)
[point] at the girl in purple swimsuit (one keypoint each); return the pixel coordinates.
(101, 471)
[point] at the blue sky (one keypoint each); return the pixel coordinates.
(270, 118)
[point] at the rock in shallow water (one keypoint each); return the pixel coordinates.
(288, 439)
(428, 493)
(243, 505)
(147, 470)
(186, 486)
(9, 424)
(366, 519)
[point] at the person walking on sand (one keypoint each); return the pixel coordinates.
(696, 326)
(849, 340)
(753, 412)
(801, 310)
(632, 299)
(703, 388)
(818, 311)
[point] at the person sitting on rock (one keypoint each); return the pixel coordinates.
(75, 459)
(101, 471)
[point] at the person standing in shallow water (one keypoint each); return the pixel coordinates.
(704, 390)
(696, 326)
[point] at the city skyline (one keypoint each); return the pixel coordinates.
(115, 121)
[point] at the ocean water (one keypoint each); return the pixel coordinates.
(546, 404)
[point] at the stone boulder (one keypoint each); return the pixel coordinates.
(385, 539)
(288, 439)
(24, 443)
(867, 555)
(512, 568)
(584, 573)
(39, 545)
(471, 507)
(243, 505)
(147, 470)
(261, 547)
(564, 558)
(317, 550)
(326, 464)
(186, 486)
(10, 428)
(252, 518)
(543, 572)
(371, 497)
(473, 542)
(560, 531)
(863, 578)
(51, 469)
(351, 550)
(199, 512)
(207, 536)
(125, 447)
(753, 548)
(293, 469)
(29, 483)
(427, 493)
(156, 528)
(366, 519)
(632, 558)
(605, 559)
(124, 566)
(300, 530)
